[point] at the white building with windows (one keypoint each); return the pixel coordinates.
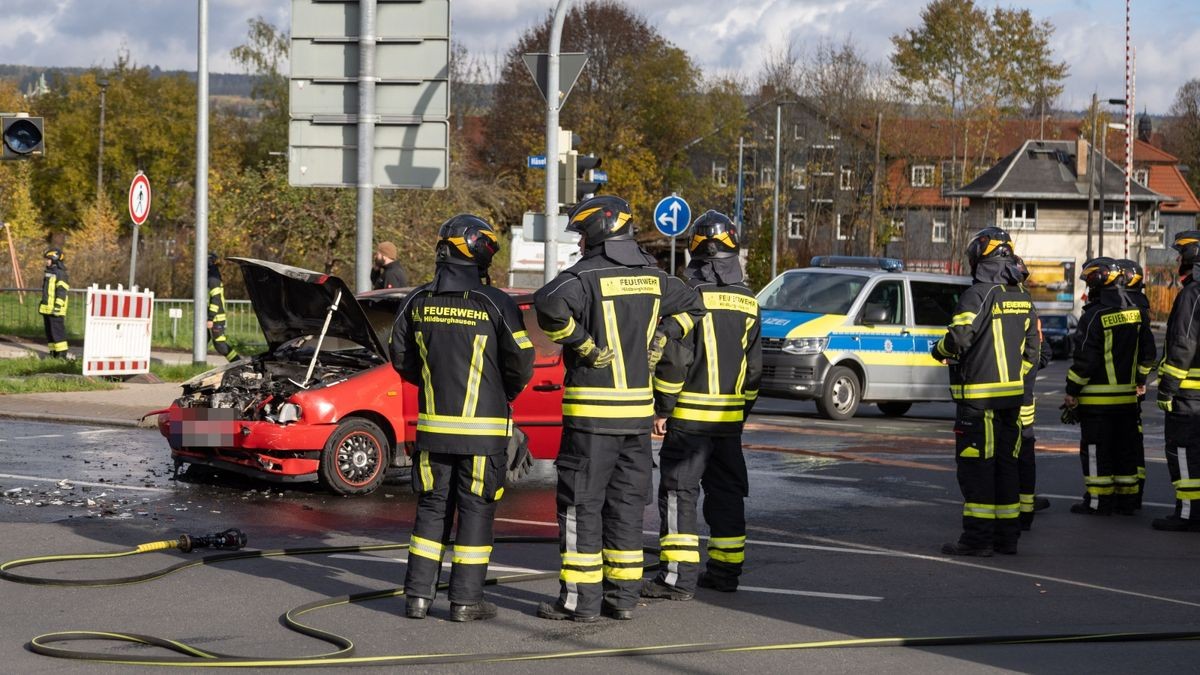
(1040, 195)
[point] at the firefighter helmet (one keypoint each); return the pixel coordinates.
(53, 253)
(990, 242)
(1132, 275)
(714, 236)
(600, 219)
(467, 240)
(1021, 267)
(1101, 272)
(1187, 244)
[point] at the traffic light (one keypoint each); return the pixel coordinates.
(22, 136)
(579, 176)
(588, 176)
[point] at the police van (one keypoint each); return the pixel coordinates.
(849, 330)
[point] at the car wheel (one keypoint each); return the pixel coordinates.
(355, 458)
(840, 395)
(893, 408)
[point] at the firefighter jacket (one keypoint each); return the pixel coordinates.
(707, 382)
(1179, 373)
(992, 340)
(1029, 404)
(1114, 352)
(465, 347)
(615, 296)
(216, 296)
(54, 291)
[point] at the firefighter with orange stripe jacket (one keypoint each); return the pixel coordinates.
(613, 312)
(704, 388)
(991, 344)
(1179, 390)
(1113, 351)
(465, 347)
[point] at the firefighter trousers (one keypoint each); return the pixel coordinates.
(446, 484)
(221, 341)
(687, 464)
(1027, 476)
(603, 488)
(987, 445)
(1182, 433)
(1108, 455)
(56, 334)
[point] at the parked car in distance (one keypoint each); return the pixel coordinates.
(324, 402)
(1056, 331)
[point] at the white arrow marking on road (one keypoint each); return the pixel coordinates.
(115, 486)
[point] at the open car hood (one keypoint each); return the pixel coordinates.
(292, 302)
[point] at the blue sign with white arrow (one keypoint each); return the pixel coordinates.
(672, 216)
(537, 162)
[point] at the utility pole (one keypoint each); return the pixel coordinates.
(365, 211)
(1091, 176)
(740, 196)
(775, 218)
(103, 82)
(875, 177)
(553, 101)
(200, 254)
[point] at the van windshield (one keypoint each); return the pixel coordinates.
(819, 293)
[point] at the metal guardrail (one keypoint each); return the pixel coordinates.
(22, 318)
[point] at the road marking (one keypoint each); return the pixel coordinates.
(812, 594)
(404, 561)
(1075, 498)
(528, 522)
(96, 431)
(810, 476)
(72, 481)
(26, 438)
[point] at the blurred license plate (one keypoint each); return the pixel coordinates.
(204, 428)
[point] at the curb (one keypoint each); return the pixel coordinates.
(76, 419)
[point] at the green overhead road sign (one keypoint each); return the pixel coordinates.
(412, 94)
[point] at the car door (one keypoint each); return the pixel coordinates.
(538, 410)
(884, 343)
(933, 308)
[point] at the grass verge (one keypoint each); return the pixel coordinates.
(32, 375)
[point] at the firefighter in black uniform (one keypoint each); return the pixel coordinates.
(1134, 285)
(704, 388)
(1179, 390)
(613, 311)
(991, 345)
(464, 345)
(216, 309)
(1027, 461)
(1112, 340)
(53, 307)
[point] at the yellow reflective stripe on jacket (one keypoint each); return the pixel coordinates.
(697, 415)
(964, 319)
(471, 555)
(740, 383)
(752, 395)
(667, 387)
(608, 393)
(709, 334)
(462, 426)
(425, 548)
(1000, 349)
(1168, 369)
(559, 335)
(685, 322)
(608, 411)
(612, 330)
(475, 376)
(521, 337)
(711, 399)
(987, 390)
(1110, 368)
(426, 378)
(1077, 378)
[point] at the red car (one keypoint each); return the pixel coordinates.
(323, 402)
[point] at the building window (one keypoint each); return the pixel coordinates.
(1155, 224)
(897, 229)
(798, 177)
(1142, 177)
(938, 231)
(795, 225)
(768, 176)
(951, 173)
(847, 178)
(720, 174)
(1019, 216)
(839, 232)
(1114, 217)
(922, 175)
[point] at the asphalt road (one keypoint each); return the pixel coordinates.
(846, 521)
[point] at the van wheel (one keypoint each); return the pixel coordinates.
(355, 458)
(841, 394)
(893, 408)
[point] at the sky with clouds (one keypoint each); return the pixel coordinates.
(722, 36)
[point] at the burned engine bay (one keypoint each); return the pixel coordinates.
(259, 388)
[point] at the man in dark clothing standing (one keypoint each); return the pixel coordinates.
(992, 343)
(1179, 390)
(216, 310)
(614, 312)
(387, 272)
(53, 307)
(1133, 287)
(1027, 461)
(704, 388)
(465, 347)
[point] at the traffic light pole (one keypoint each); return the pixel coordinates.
(200, 254)
(553, 101)
(365, 214)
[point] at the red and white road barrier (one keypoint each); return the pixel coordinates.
(116, 333)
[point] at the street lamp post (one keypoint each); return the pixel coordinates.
(103, 82)
(775, 217)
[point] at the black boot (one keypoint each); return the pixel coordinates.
(962, 549)
(1174, 523)
(556, 612)
(417, 608)
(479, 611)
(614, 612)
(657, 589)
(1083, 508)
(716, 583)
(1040, 503)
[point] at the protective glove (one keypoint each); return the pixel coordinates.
(1069, 414)
(519, 459)
(594, 357)
(655, 351)
(1166, 403)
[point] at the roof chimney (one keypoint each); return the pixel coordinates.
(1081, 158)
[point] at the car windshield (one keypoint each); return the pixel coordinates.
(1054, 322)
(816, 292)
